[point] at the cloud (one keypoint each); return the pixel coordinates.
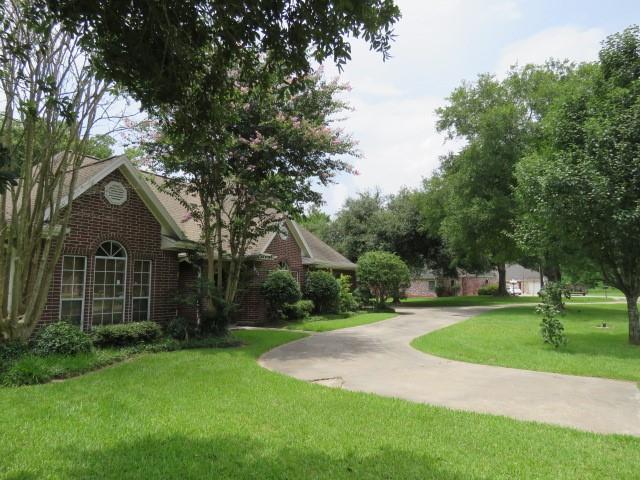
(576, 44)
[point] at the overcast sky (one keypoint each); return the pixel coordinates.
(439, 43)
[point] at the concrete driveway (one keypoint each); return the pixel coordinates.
(377, 358)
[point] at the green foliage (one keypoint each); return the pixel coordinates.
(280, 289)
(299, 310)
(488, 290)
(554, 294)
(181, 328)
(61, 338)
(551, 328)
(177, 39)
(348, 302)
(126, 334)
(11, 350)
(317, 222)
(322, 288)
(384, 274)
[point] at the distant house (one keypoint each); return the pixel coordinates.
(425, 283)
(131, 247)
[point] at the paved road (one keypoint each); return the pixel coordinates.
(377, 358)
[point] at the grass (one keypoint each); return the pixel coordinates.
(510, 337)
(217, 414)
(325, 323)
(484, 300)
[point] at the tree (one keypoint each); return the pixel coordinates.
(384, 274)
(158, 50)
(355, 228)
(51, 98)
(323, 290)
(258, 149)
(586, 186)
(316, 221)
(280, 289)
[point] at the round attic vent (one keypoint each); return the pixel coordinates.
(115, 193)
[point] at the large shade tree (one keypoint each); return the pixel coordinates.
(584, 186)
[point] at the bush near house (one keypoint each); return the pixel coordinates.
(488, 290)
(126, 334)
(348, 302)
(384, 274)
(61, 338)
(280, 289)
(322, 288)
(299, 310)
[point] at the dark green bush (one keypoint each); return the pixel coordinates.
(181, 328)
(299, 310)
(323, 290)
(11, 350)
(126, 334)
(61, 338)
(280, 289)
(384, 274)
(488, 290)
(29, 370)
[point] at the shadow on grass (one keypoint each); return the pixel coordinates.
(231, 456)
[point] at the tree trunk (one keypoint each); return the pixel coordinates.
(553, 272)
(541, 277)
(502, 279)
(634, 319)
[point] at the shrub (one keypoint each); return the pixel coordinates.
(11, 350)
(61, 338)
(322, 288)
(125, 334)
(181, 328)
(299, 310)
(383, 273)
(280, 289)
(348, 302)
(488, 290)
(554, 294)
(551, 328)
(29, 370)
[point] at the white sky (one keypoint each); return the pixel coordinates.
(439, 43)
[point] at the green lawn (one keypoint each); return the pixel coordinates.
(325, 323)
(484, 300)
(510, 337)
(217, 414)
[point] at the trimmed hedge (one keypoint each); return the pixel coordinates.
(280, 289)
(488, 290)
(61, 338)
(126, 334)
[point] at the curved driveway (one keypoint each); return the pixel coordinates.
(377, 358)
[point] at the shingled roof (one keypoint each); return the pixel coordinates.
(178, 224)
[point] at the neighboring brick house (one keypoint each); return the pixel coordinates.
(129, 251)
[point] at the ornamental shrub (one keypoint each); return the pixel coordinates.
(383, 273)
(488, 290)
(554, 294)
(551, 328)
(299, 310)
(280, 289)
(61, 338)
(348, 302)
(181, 328)
(126, 334)
(322, 288)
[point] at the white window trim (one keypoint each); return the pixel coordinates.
(84, 289)
(124, 289)
(148, 297)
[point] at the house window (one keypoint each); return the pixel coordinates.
(141, 303)
(72, 289)
(109, 284)
(431, 284)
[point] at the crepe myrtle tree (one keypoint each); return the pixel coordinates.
(259, 150)
(584, 186)
(384, 274)
(51, 99)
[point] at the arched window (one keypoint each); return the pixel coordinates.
(110, 277)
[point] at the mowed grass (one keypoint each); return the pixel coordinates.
(485, 300)
(510, 337)
(325, 323)
(217, 414)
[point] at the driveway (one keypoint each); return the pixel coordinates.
(377, 358)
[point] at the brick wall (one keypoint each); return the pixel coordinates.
(94, 221)
(419, 287)
(253, 308)
(470, 285)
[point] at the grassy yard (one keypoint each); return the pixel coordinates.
(324, 323)
(510, 337)
(484, 300)
(217, 414)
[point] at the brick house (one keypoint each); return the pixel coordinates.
(130, 248)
